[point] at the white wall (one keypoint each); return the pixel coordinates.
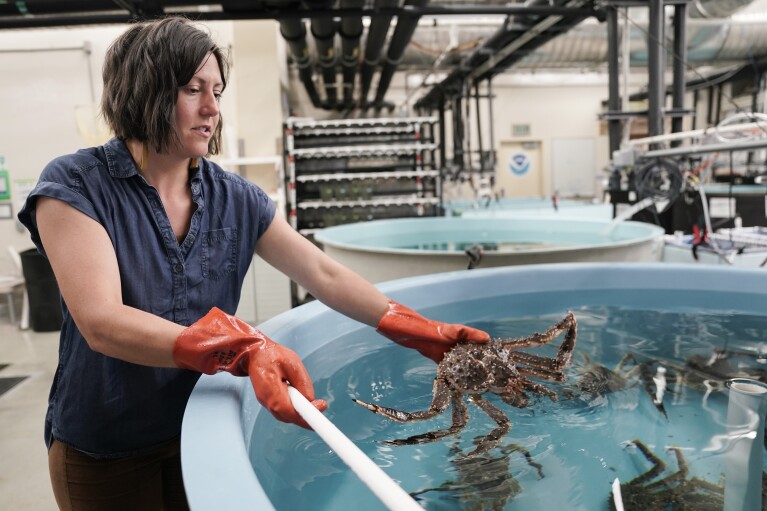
(561, 111)
(259, 107)
(46, 73)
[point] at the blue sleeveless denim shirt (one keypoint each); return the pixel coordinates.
(107, 407)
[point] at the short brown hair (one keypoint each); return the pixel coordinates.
(143, 70)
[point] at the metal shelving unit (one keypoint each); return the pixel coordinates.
(350, 170)
(353, 170)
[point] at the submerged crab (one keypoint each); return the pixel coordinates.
(654, 490)
(496, 367)
(594, 380)
(483, 483)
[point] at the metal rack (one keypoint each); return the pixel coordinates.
(350, 170)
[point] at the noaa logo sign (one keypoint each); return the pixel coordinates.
(519, 164)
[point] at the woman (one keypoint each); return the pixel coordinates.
(150, 243)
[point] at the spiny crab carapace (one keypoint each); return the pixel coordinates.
(497, 367)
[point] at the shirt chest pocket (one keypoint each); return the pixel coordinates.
(219, 253)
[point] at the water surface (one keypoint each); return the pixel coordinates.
(581, 442)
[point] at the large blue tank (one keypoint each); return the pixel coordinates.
(650, 308)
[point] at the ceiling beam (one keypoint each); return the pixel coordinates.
(155, 8)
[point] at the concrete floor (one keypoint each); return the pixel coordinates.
(24, 482)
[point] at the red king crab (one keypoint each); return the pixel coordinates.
(497, 367)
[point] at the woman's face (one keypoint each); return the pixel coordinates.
(197, 112)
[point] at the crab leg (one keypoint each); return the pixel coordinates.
(541, 367)
(492, 439)
(540, 338)
(540, 389)
(657, 468)
(460, 418)
(438, 405)
(529, 457)
(544, 367)
(516, 399)
(678, 476)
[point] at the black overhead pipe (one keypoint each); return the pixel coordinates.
(32, 8)
(351, 33)
(528, 20)
(294, 33)
(89, 12)
(379, 26)
(743, 72)
(479, 130)
(458, 155)
(441, 112)
(401, 37)
(512, 29)
(324, 32)
(506, 33)
(656, 65)
(452, 85)
(614, 103)
(491, 123)
(679, 66)
(538, 40)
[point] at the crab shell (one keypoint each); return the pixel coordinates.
(478, 368)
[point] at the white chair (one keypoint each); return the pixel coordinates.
(8, 286)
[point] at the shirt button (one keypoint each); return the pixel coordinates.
(178, 268)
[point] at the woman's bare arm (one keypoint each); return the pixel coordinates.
(84, 262)
(330, 282)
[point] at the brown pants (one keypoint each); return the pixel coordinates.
(149, 482)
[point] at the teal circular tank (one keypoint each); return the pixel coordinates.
(383, 250)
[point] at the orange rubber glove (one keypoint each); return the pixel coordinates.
(220, 342)
(431, 338)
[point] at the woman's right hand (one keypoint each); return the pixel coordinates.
(270, 368)
(221, 342)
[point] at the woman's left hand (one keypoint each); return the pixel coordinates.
(431, 338)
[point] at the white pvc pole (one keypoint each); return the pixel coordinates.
(744, 455)
(697, 133)
(383, 486)
(617, 497)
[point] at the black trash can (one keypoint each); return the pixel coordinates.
(42, 291)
